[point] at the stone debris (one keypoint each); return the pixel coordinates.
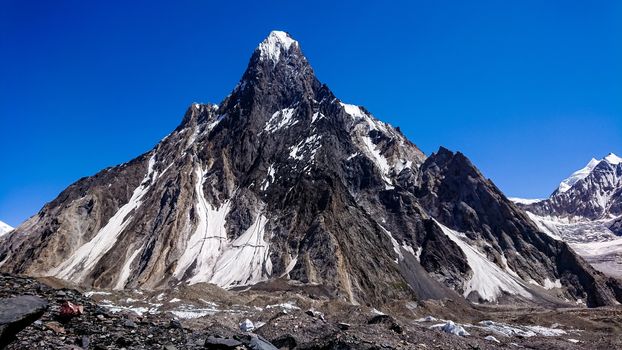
(344, 326)
(316, 314)
(98, 328)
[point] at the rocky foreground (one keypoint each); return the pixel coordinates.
(72, 319)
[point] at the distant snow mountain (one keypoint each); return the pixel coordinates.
(586, 211)
(594, 193)
(524, 200)
(5, 228)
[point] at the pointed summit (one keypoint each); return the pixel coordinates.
(578, 175)
(613, 159)
(276, 43)
(277, 76)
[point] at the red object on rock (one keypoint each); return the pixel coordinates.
(69, 309)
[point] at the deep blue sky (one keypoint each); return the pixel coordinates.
(529, 90)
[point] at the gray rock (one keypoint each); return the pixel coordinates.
(129, 323)
(17, 313)
(247, 326)
(259, 343)
(176, 324)
(218, 343)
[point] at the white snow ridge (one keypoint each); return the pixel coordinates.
(578, 175)
(613, 159)
(5, 228)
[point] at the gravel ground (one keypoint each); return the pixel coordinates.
(292, 320)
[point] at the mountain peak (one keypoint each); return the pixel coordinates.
(590, 193)
(613, 159)
(582, 173)
(4, 228)
(276, 43)
(578, 175)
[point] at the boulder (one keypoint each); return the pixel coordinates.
(218, 343)
(17, 313)
(259, 343)
(388, 321)
(176, 324)
(70, 310)
(247, 326)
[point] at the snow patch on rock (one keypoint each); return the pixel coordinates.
(451, 328)
(280, 120)
(215, 258)
(488, 279)
(84, 259)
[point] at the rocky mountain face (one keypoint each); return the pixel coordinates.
(282, 181)
(586, 211)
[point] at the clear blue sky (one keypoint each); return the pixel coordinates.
(529, 90)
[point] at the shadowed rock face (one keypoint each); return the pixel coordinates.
(283, 180)
(455, 193)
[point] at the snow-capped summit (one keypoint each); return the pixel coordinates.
(593, 192)
(613, 159)
(5, 228)
(580, 174)
(274, 44)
